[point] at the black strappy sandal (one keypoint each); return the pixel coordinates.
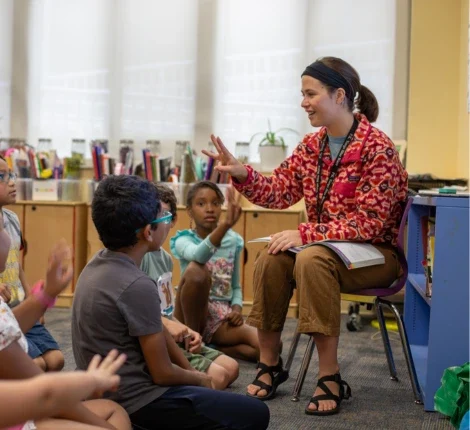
(278, 376)
(344, 393)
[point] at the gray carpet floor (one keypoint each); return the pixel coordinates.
(377, 402)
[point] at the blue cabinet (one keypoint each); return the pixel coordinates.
(438, 326)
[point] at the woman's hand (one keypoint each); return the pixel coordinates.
(234, 209)
(60, 271)
(226, 162)
(104, 372)
(284, 240)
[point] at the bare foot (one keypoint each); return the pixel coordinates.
(254, 390)
(325, 405)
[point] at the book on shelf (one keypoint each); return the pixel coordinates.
(428, 228)
(353, 254)
(165, 168)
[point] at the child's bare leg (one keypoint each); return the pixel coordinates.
(59, 424)
(39, 361)
(192, 297)
(220, 376)
(230, 369)
(110, 411)
(54, 360)
(238, 342)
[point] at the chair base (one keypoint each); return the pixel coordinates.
(379, 303)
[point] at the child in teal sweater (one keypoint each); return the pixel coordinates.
(158, 265)
(209, 298)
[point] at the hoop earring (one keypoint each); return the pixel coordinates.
(191, 224)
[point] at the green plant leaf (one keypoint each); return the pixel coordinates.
(287, 129)
(272, 137)
(256, 135)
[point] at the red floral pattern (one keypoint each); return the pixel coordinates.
(366, 200)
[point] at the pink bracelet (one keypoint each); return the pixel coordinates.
(38, 292)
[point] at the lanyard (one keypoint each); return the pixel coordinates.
(334, 168)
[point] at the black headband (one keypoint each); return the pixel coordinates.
(330, 77)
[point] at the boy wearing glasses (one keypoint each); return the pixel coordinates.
(116, 305)
(42, 347)
(158, 265)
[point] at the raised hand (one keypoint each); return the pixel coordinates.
(104, 371)
(234, 209)
(226, 162)
(59, 271)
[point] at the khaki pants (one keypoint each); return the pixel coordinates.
(320, 277)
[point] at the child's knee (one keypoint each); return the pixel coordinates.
(197, 274)
(230, 365)
(54, 360)
(40, 362)
(220, 376)
(233, 370)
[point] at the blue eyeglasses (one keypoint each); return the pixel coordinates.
(165, 219)
(7, 177)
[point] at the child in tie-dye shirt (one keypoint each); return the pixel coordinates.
(209, 298)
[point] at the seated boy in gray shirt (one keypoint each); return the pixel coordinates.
(158, 265)
(116, 305)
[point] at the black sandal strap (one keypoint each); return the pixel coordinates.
(262, 385)
(316, 399)
(263, 369)
(344, 388)
(270, 370)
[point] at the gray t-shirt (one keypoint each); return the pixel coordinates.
(114, 304)
(335, 144)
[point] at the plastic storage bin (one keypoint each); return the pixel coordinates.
(69, 190)
(24, 189)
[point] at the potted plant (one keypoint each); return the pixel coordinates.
(272, 146)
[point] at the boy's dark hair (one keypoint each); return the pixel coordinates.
(200, 185)
(167, 195)
(121, 205)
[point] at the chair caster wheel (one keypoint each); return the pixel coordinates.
(354, 319)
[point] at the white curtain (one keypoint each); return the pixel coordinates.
(133, 69)
(6, 44)
(70, 70)
(264, 46)
(260, 55)
(158, 42)
(362, 33)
